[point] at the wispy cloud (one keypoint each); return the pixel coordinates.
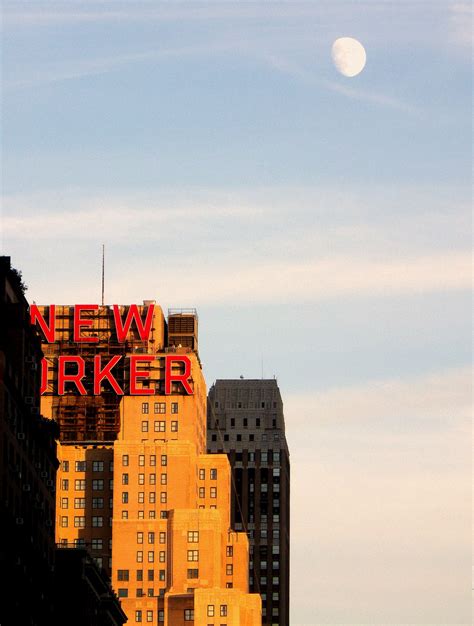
(461, 14)
(381, 480)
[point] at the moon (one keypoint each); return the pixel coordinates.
(348, 56)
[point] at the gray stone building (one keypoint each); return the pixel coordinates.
(245, 420)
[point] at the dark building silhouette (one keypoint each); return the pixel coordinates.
(83, 595)
(41, 585)
(28, 465)
(245, 420)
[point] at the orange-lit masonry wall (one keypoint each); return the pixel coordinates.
(136, 487)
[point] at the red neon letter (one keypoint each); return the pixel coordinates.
(44, 376)
(100, 374)
(135, 374)
(35, 316)
(133, 314)
(182, 378)
(78, 322)
(71, 378)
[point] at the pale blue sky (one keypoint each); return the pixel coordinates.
(320, 224)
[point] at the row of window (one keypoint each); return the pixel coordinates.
(212, 492)
(212, 474)
(124, 574)
(141, 479)
(251, 437)
(245, 405)
(141, 460)
(95, 544)
(159, 408)
(159, 426)
(151, 497)
(151, 557)
(151, 514)
(80, 503)
(80, 484)
(82, 466)
(97, 521)
(211, 610)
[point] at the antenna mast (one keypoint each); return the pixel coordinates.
(103, 272)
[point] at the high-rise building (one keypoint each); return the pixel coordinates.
(246, 422)
(135, 485)
(28, 465)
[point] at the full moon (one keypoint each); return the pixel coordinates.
(349, 56)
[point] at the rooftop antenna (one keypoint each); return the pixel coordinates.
(103, 272)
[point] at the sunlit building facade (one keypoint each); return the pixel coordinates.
(135, 485)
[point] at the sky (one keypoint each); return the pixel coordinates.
(320, 224)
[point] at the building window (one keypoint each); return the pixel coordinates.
(152, 479)
(141, 460)
(97, 521)
(145, 408)
(141, 497)
(161, 574)
(202, 474)
(213, 491)
(97, 466)
(65, 503)
(160, 427)
(189, 615)
(97, 485)
(229, 551)
(151, 514)
(152, 497)
(202, 492)
(161, 615)
(149, 616)
(193, 555)
(163, 514)
(64, 521)
(151, 537)
(139, 537)
(65, 466)
(229, 569)
(124, 479)
(79, 542)
(164, 460)
(79, 521)
(151, 556)
(193, 536)
(164, 479)
(213, 474)
(139, 556)
(159, 407)
(124, 514)
(97, 503)
(123, 574)
(97, 544)
(80, 466)
(174, 426)
(152, 460)
(151, 575)
(210, 610)
(193, 573)
(124, 459)
(65, 484)
(223, 611)
(139, 574)
(141, 479)
(174, 407)
(162, 537)
(138, 616)
(162, 556)
(144, 426)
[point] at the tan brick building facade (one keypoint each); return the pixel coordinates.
(136, 486)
